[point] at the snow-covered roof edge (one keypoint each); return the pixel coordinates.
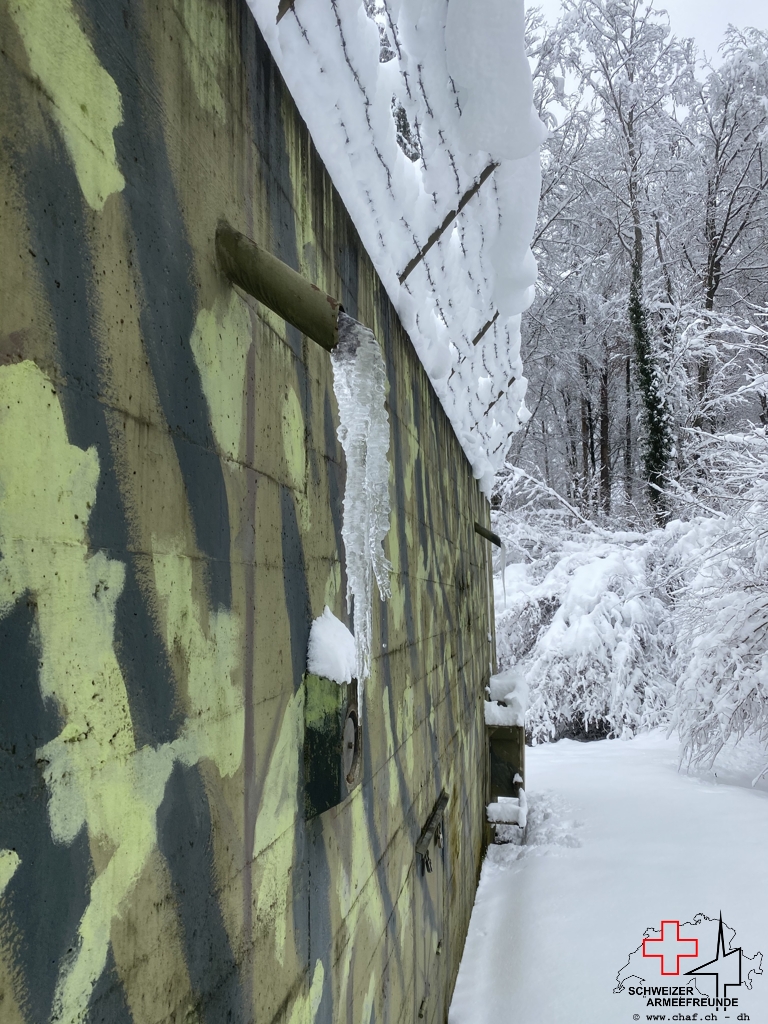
(453, 82)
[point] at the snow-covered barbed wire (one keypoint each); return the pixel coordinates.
(409, 104)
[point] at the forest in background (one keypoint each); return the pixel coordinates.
(634, 501)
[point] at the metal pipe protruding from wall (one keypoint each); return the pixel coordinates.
(494, 538)
(283, 7)
(278, 286)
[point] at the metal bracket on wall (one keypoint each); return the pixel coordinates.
(283, 8)
(432, 830)
(494, 538)
(278, 286)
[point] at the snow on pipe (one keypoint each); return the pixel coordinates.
(278, 286)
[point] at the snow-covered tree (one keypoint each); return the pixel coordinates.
(624, 609)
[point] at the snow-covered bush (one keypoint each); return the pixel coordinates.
(605, 657)
(616, 632)
(718, 562)
(721, 605)
(587, 621)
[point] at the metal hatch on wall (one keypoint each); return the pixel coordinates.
(332, 743)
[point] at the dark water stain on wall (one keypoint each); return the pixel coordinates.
(295, 586)
(348, 268)
(399, 510)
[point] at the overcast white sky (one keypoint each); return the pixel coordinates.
(705, 20)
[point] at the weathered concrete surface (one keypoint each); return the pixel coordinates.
(170, 523)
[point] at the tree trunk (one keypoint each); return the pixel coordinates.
(571, 449)
(605, 451)
(628, 433)
(711, 284)
(587, 436)
(546, 453)
(658, 444)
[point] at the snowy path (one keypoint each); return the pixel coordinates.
(617, 841)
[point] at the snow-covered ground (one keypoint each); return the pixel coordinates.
(618, 841)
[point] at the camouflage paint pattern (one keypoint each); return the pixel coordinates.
(170, 524)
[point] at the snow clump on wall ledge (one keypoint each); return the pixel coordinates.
(423, 115)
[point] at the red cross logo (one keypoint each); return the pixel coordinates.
(670, 948)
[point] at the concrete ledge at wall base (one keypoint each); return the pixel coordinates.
(508, 810)
(507, 819)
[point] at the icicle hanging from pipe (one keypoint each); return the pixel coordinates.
(359, 382)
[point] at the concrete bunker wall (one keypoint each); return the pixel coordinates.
(170, 523)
